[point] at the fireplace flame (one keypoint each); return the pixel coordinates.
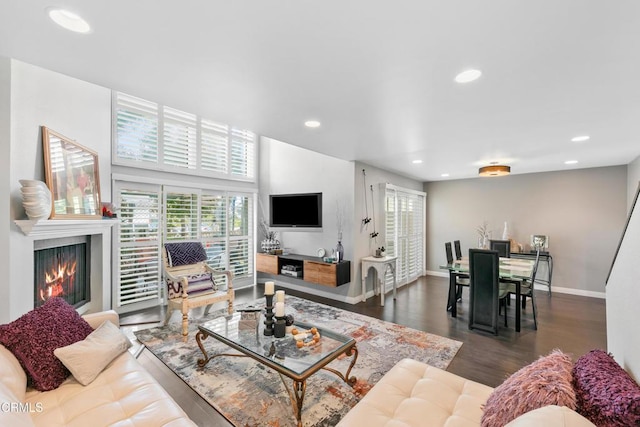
(57, 280)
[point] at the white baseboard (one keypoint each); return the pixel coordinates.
(541, 287)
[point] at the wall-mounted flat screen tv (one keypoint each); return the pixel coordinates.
(295, 210)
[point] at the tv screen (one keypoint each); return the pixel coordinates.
(295, 210)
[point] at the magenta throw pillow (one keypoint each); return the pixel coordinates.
(547, 381)
(33, 337)
(606, 393)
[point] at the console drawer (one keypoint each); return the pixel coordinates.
(267, 263)
(321, 273)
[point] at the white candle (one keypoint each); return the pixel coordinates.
(268, 288)
(279, 309)
(279, 296)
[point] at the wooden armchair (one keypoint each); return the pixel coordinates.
(191, 282)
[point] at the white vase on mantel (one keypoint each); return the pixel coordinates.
(505, 232)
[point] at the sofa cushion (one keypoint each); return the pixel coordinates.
(33, 337)
(551, 416)
(413, 393)
(605, 392)
(13, 412)
(123, 395)
(87, 358)
(547, 381)
(11, 374)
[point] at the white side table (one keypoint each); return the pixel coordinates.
(380, 265)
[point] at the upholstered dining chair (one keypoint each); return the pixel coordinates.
(461, 279)
(191, 282)
(502, 246)
(485, 294)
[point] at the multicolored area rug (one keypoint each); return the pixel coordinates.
(249, 394)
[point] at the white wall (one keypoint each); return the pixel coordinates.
(74, 108)
(633, 180)
(285, 169)
(582, 211)
(623, 340)
(5, 185)
(364, 244)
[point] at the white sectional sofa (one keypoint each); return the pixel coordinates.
(414, 394)
(123, 394)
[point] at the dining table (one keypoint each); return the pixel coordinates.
(510, 270)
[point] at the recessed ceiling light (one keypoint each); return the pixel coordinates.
(468, 76)
(580, 138)
(417, 162)
(445, 175)
(69, 20)
(312, 124)
(570, 162)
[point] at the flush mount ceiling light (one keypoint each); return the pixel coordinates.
(445, 175)
(68, 20)
(494, 170)
(580, 138)
(312, 124)
(417, 162)
(571, 162)
(468, 76)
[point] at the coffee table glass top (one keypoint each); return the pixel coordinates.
(281, 352)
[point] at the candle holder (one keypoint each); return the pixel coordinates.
(280, 327)
(268, 314)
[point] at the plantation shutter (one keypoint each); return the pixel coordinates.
(405, 231)
(242, 153)
(180, 139)
(214, 155)
(137, 281)
(181, 214)
(152, 136)
(241, 235)
(136, 129)
(213, 225)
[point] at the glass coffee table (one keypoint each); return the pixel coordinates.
(280, 354)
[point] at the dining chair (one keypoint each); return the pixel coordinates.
(456, 246)
(461, 279)
(502, 246)
(484, 291)
(526, 290)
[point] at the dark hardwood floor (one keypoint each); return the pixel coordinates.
(571, 323)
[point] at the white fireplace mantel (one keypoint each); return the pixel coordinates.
(44, 229)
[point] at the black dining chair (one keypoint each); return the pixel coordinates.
(502, 246)
(461, 279)
(485, 295)
(526, 290)
(456, 246)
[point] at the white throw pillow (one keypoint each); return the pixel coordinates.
(551, 416)
(87, 358)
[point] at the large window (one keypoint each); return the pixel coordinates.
(153, 214)
(152, 136)
(405, 230)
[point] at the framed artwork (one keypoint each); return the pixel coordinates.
(72, 176)
(539, 241)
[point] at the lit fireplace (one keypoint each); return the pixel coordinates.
(61, 269)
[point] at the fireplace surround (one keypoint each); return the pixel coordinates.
(98, 240)
(62, 268)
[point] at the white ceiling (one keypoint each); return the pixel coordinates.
(378, 74)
